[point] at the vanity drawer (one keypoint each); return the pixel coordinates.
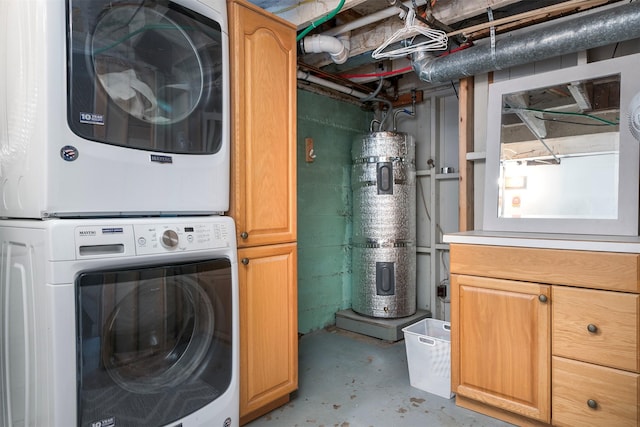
(591, 395)
(596, 326)
(598, 270)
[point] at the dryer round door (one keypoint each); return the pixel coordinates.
(159, 336)
(147, 64)
(146, 75)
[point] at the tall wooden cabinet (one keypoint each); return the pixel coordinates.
(263, 203)
(546, 336)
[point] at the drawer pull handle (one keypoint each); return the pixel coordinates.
(592, 404)
(244, 234)
(245, 261)
(592, 328)
(542, 298)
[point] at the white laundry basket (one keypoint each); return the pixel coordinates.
(428, 344)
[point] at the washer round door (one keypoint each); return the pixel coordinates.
(146, 75)
(154, 343)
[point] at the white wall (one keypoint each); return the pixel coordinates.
(435, 128)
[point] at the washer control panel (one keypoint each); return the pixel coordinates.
(154, 238)
(143, 237)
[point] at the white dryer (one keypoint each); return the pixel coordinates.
(113, 108)
(119, 323)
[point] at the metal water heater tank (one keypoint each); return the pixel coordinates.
(384, 225)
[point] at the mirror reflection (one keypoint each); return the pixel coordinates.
(559, 151)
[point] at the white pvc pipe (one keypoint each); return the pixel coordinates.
(370, 19)
(331, 85)
(335, 47)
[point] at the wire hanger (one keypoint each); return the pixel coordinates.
(435, 39)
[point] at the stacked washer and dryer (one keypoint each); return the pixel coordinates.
(118, 274)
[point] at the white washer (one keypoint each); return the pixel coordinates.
(113, 108)
(119, 323)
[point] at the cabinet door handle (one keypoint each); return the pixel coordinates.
(245, 261)
(244, 234)
(542, 298)
(592, 404)
(592, 328)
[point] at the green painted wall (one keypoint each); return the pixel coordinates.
(324, 207)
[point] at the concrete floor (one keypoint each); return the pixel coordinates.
(351, 380)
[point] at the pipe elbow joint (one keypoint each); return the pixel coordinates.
(422, 64)
(340, 57)
(337, 48)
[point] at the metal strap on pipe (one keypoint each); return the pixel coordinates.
(374, 244)
(362, 184)
(493, 38)
(378, 159)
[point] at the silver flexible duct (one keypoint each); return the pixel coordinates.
(581, 33)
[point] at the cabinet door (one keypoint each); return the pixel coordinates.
(500, 344)
(263, 98)
(268, 325)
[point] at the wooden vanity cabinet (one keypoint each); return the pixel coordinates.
(546, 336)
(263, 203)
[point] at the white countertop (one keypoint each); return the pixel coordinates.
(580, 242)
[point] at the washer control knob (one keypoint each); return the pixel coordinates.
(170, 239)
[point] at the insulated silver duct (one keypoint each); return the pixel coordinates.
(584, 32)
